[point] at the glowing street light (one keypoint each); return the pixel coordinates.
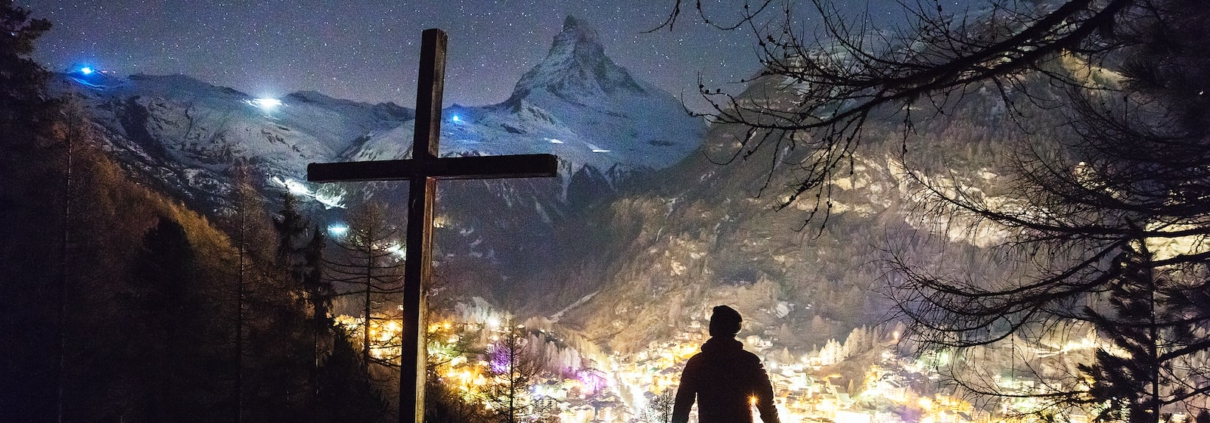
(86, 70)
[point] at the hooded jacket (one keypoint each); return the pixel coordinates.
(724, 379)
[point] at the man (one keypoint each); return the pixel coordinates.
(725, 380)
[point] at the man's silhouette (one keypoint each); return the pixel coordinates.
(725, 379)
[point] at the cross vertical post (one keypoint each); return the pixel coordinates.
(430, 86)
(422, 171)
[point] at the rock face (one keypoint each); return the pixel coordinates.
(614, 114)
(576, 69)
(697, 234)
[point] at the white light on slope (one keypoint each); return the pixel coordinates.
(299, 189)
(397, 250)
(338, 230)
(554, 141)
(86, 70)
(266, 104)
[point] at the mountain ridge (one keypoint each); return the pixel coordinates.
(184, 137)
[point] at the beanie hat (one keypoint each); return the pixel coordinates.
(724, 321)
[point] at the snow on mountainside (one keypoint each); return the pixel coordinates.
(577, 104)
(184, 137)
(186, 134)
(605, 126)
(578, 84)
(713, 235)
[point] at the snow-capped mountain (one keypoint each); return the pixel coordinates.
(599, 100)
(185, 137)
(577, 103)
(185, 134)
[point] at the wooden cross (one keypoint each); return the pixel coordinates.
(422, 171)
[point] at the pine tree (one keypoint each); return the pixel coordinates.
(512, 368)
(30, 375)
(290, 226)
(371, 261)
(25, 109)
(318, 292)
(659, 409)
(345, 391)
(246, 232)
(166, 315)
(1126, 377)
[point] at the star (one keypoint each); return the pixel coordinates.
(365, 51)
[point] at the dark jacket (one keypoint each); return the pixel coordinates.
(724, 378)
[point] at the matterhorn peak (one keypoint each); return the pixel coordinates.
(578, 30)
(576, 68)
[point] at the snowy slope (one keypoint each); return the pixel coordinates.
(577, 104)
(187, 134)
(614, 113)
(185, 137)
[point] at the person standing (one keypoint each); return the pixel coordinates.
(724, 379)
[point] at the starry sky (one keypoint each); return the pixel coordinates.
(367, 50)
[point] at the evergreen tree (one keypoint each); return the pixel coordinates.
(319, 295)
(1108, 132)
(1127, 376)
(346, 393)
(291, 227)
(168, 315)
(247, 232)
(512, 368)
(371, 260)
(29, 324)
(659, 408)
(25, 109)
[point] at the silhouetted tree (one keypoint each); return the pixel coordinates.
(659, 409)
(30, 376)
(1128, 378)
(371, 261)
(512, 369)
(1109, 125)
(291, 227)
(166, 337)
(318, 293)
(446, 401)
(25, 109)
(346, 392)
(248, 233)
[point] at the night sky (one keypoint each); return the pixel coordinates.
(367, 50)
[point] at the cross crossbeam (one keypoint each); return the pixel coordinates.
(422, 172)
(475, 167)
